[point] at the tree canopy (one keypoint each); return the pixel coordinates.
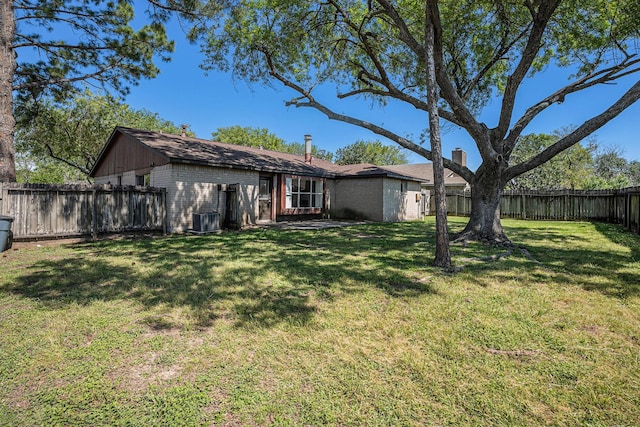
(250, 137)
(73, 132)
(578, 167)
(50, 48)
(570, 169)
(611, 170)
(374, 152)
(262, 137)
(376, 50)
(34, 169)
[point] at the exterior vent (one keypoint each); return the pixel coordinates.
(206, 222)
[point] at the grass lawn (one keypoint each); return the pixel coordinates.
(345, 326)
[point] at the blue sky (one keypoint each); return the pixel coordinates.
(183, 94)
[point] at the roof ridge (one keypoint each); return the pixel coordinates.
(213, 142)
(198, 151)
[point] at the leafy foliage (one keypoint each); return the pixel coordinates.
(298, 148)
(73, 132)
(51, 49)
(578, 167)
(62, 43)
(373, 152)
(261, 137)
(35, 169)
(611, 170)
(250, 137)
(570, 169)
(376, 50)
(634, 172)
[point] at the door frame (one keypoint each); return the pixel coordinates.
(271, 197)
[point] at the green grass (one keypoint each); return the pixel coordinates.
(345, 326)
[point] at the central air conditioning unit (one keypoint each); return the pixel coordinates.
(206, 222)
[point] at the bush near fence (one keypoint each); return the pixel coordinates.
(53, 211)
(618, 206)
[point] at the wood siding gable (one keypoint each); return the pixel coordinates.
(124, 153)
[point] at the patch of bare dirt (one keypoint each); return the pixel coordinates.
(138, 377)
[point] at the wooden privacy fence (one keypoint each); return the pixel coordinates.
(51, 211)
(619, 206)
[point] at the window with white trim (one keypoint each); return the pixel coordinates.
(305, 193)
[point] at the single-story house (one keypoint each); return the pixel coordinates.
(246, 185)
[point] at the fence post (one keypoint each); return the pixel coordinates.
(628, 212)
(165, 217)
(626, 220)
(94, 215)
(637, 219)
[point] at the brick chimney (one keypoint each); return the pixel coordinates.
(459, 156)
(307, 149)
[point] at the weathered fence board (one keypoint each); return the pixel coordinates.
(633, 218)
(619, 206)
(49, 211)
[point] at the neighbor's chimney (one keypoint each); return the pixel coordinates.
(184, 130)
(459, 156)
(307, 149)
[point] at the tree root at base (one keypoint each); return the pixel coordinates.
(510, 248)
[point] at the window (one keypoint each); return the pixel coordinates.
(143, 180)
(303, 193)
(404, 185)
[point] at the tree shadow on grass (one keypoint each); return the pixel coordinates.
(578, 259)
(624, 268)
(620, 236)
(257, 277)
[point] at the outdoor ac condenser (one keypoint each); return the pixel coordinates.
(206, 222)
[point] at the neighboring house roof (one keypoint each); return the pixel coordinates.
(424, 171)
(370, 170)
(179, 149)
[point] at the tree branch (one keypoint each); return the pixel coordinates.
(600, 77)
(62, 81)
(448, 92)
(498, 56)
(587, 128)
(540, 21)
(174, 8)
(82, 169)
(311, 102)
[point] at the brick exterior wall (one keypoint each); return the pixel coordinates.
(376, 199)
(358, 199)
(398, 205)
(194, 189)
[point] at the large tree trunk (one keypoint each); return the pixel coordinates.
(443, 255)
(7, 70)
(484, 224)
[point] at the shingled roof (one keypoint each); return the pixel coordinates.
(424, 171)
(187, 150)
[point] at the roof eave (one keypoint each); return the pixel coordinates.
(287, 171)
